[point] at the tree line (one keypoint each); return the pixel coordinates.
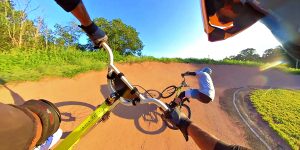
(18, 31)
(269, 55)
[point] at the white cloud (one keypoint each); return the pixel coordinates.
(258, 37)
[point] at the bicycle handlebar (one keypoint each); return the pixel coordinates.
(112, 69)
(183, 83)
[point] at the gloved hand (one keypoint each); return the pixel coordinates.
(95, 34)
(48, 114)
(183, 74)
(179, 120)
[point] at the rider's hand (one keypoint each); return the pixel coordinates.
(183, 74)
(179, 119)
(95, 34)
(48, 114)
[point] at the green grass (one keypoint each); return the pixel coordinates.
(281, 109)
(18, 65)
(23, 66)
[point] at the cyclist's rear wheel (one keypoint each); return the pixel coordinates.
(184, 109)
(169, 91)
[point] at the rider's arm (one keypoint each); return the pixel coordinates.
(77, 8)
(189, 74)
(27, 125)
(207, 141)
(19, 128)
(203, 139)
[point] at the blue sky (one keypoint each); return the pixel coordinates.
(168, 28)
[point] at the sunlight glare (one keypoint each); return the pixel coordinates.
(270, 65)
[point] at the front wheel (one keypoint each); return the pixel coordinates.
(184, 109)
(169, 91)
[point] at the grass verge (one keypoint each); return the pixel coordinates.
(31, 65)
(281, 109)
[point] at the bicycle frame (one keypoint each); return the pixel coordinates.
(108, 105)
(178, 91)
(179, 88)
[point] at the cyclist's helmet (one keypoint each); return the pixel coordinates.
(207, 70)
(225, 18)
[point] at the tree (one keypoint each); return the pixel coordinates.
(246, 54)
(16, 29)
(67, 35)
(121, 37)
(273, 54)
(278, 53)
(7, 14)
(4, 38)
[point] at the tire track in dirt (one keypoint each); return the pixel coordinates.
(246, 122)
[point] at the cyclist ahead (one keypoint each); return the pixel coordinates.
(206, 91)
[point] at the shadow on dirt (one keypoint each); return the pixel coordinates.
(150, 93)
(104, 90)
(18, 99)
(141, 113)
(68, 116)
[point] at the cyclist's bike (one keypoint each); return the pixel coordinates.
(171, 90)
(121, 92)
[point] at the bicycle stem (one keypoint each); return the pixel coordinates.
(112, 68)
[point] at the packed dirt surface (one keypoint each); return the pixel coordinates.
(141, 127)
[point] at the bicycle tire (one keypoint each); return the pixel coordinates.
(188, 110)
(188, 113)
(169, 91)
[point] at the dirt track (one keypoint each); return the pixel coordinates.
(129, 128)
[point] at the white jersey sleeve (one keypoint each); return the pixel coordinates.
(206, 85)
